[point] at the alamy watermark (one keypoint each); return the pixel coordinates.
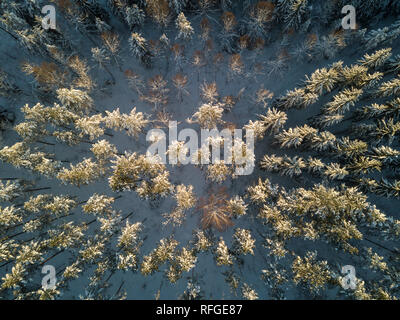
(49, 280)
(349, 280)
(235, 150)
(349, 21)
(49, 20)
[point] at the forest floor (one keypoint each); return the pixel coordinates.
(119, 95)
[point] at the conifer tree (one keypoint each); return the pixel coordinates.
(256, 25)
(180, 81)
(90, 126)
(343, 101)
(389, 88)
(274, 120)
(376, 60)
(158, 91)
(185, 29)
(228, 35)
(139, 48)
(144, 174)
(75, 100)
(208, 116)
(178, 5)
(243, 242)
(249, 293)
(293, 12)
(222, 254)
(159, 10)
(164, 252)
(218, 171)
(83, 173)
(311, 272)
(322, 80)
(20, 155)
(134, 16)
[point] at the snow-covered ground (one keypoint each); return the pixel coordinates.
(108, 96)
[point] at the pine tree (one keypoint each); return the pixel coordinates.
(376, 60)
(387, 155)
(201, 241)
(7, 85)
(91, 126)
(278, 65)
(297, 98)
(292, 166)
(10, 190)
(243, 242)
(135, 82)
(383, 36)
(364, 165)
(248, 293)
(343, 101)
(111, 45)
(130, 242)
(209, 92)
(385, 187)
(180, 81)
(322, 80)
(144, 174)
(311, 272)
(20, 155)
(334, 171)
(75, 100)
(177, 152)
(83, 79)
(83, 173)
(98, 205)
(208, 116)
(350, 148)
(134, 16)
(389, 88)
(185, 29)
(294, 137)
(134, 122)
(164, 252)
(178, 5)
(139, 48)
(100, 56)
(315, 165)
(236, 66)
(256, 25)
(103, 151)
(30, 131)
(257, 127)
(186, 260)
(47, 75)
(328, 120)
(228, 35)
(222, 255)
(236, 206)
(274, 120)
(262, 96)
(260, 192)
(158, 91)
(327, 46)
(159, 11)
(293, 12)
(384, 129)
(185, 197)
(394, 64)
(15, 277)
(10, 216)
(218, 171)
